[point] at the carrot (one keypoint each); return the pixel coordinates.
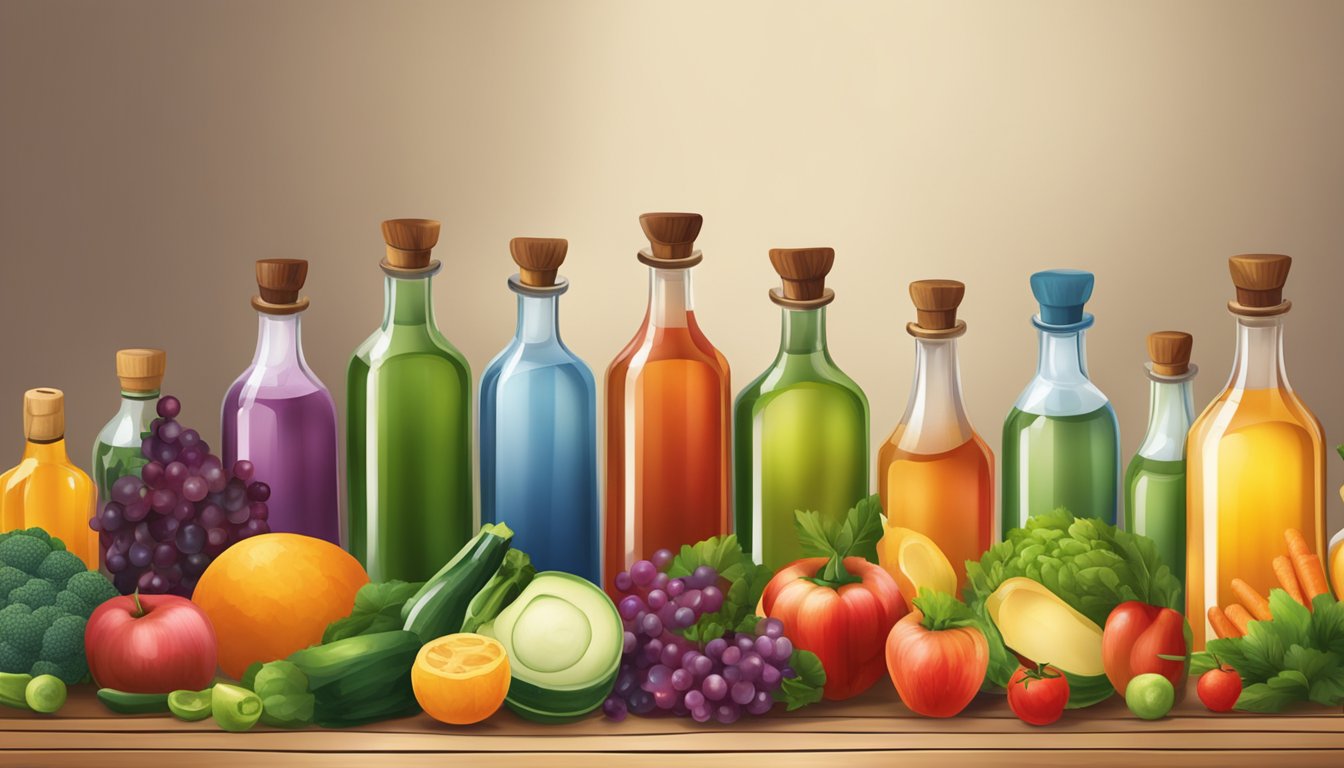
(1221, 625)
(1239, 617)
(1287, 579)
(1311, 574)
(1297, 543)
(1254, 601)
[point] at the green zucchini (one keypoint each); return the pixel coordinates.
(513, 576)
(124, 703)
(440, 606)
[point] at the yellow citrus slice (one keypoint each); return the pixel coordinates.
(461, 679)
(915, 562)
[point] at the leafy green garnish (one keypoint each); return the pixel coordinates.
(856, 536)
(805, 685)
(377, 609)
(943, 611)
(746, 581)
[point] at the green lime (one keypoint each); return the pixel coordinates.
(1150, 696)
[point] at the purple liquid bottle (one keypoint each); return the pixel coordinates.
(280, 417)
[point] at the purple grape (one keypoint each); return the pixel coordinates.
(172, 574)
(157, 584)
(169, 431)
(194, 488)
(623, 581)
(169, 407)
(216, 537)
(711, 598)
(165, 554)
(239, 516)
(116, 562)
(194, 565)
(152, 474)
(126, 490)
(652, 626)
(657, 598)
(111, 518)
(149, 448)
(96, 524)
(659, 581)
(675, 587)
(192, 456)
(629, 606)
(145, 581)
(703, 576)
(165, 453)
(653, 650)
(694, 700)
(751, 666)
(702, 666)
(235, 495)
(614, 708)
(641, 702)
(216, 478)
(769, 677)
(189, 438)
(642, 573)
(745, 643)
(682, 680)
(727, 713)
(628, 643)
(731, 655)
(671, 655)
(662, 558)
(259, 492)
(715, 648)
(142, 534)
(667, 614)
(254, 528)
(765, 647)
(761, 703)
(683, 617)
(714, 687)
(137, 511)
(191, 538)
(771, 628)
(783, 650)
(259, 510)
(659, 678)
(243, 469)
(139, 555)
(691, 598)
(211, 516)
(162, 500)
(665, 699)
(163, 528)
(742, 693)
(701, 715)
(731, 674)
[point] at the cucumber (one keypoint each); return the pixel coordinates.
(440, 606)
(124, 703)
(190, 705)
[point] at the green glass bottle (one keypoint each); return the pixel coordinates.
(117, 451)
(1155, 480)
(409, 426)
(800, 429)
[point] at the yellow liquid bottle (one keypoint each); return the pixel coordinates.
(1256, 457)
(45, 490)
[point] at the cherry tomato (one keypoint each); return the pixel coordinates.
(1038, 694)
(1219, 689)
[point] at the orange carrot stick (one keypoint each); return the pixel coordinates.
(1287, 579)
(1311, 574)
(1297, 543)
(1221, 625)
(1239, 617)
(1254, 601)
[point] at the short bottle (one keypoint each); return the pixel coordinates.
(46, 490)
(117, 450)
(538, 426)
(801, 427)
(280, 417)
(409, 423)
(1061, 441)
(1155, 481)
(935, 473)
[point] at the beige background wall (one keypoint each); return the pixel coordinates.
(150, 151)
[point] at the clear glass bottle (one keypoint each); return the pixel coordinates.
(935, 473)
(1256, 456)
(117, 450)
(668, 420)
(280, 416)
(45, 490)
(409, 425)
(800, 428)
(1061, 441)
(539, 426)
(1155, 480)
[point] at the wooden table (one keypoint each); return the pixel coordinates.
(873, 729)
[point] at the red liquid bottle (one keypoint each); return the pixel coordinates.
(668, 403)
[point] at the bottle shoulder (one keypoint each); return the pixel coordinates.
(1045, 397)
(1234, 410)
(802, 371)
(385, 344)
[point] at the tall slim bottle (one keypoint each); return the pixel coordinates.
(1061, 442)
(935, 473)
(45, 490)
(1256, 455)
(668, 421)
(279, 416)
(117, 450)
(1155, 480)
(801, 428)
(539, 426)
(409, 426)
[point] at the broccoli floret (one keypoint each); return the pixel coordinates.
(71, 671)
(24, 551)
(91, 588)
(21, 629)
(63, 646)
(14, 660)
(35, 594)
(70, 603)
(11, 578)
(48, 614)
(58, 567)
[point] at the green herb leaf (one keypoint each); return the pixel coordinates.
(746, 579)
(377, 609)
(806, 684)
(943, 611)
(813, 536)
(865, 521)
(1327, 624)
(855, 536)
(1202, 662)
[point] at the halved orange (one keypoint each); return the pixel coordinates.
(461, 679)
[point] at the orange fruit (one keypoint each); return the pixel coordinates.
(271, 595)
(461, 679)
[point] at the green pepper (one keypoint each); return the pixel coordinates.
(190, 705)
(12, 687)
(234, 708)
(45, 694)
(124, 703)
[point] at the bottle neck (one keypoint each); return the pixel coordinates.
(278, 341)
(935, 419)
(52, 452)
(1171, 411)
(408, 302)
(670, 298)
(538, 319)
(803, 331)
(138, 407)
(1063, 357)
(1259, 358)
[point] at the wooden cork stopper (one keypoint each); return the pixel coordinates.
(409, 242)
(803, 271)
(141, 370)
(1259, 278)
(538, 259)
(44, 415)
(936, 303)
(671, 238)
(1170, 352)
(278, 283)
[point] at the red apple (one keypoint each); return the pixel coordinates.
(150, 644)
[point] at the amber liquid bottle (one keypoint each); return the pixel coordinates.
(668, 403)
(1256, 456)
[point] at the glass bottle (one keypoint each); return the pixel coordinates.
(1061, 442)
(539, 426)
(668, 421)
(801, 427)
(280, 417)
(935, 473)
(1256, 455)
(45, 490)
(117, 450)
(409, 425)
(1155, 480)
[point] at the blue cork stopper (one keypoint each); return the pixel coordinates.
(1062, 294)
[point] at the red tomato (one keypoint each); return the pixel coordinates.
(844, 627)
(1141, 638)
(1037, 696)
(1219, 689)
(936, 673)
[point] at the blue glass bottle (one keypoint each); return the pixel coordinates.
(539, 426)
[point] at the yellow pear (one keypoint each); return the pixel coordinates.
(915, 562)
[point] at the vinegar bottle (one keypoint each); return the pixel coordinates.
(280, 417)
(935, 475)
(1256, 455)
(409, 425)
(117, 450)
(801, 428)
(1155, 480)
(539, 426)
(45, 490)
(668, 401)
(1061, 442)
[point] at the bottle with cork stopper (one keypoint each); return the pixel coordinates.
(667, 415)
(538, 426)
(45, 490)
(1155, 480)
(1256, 458)
(801, 427)
(116, 451)
(279, 419)
(408, 426)
(935, 473)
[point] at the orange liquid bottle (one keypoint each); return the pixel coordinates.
(1256, 457)
(668, 402)
(935, 474)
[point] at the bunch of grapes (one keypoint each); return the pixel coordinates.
(662, 671)
(160, 530)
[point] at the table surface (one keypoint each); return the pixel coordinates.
(872, 729)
